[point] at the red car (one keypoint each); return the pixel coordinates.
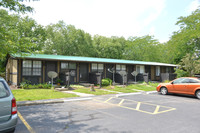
(185, 85)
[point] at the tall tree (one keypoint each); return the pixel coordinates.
(67, 40)
(19, 34)
(186, 39)
(189, 66)
(109, 47)
(144, 48)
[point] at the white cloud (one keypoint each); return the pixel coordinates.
(193, 6)
(104, 17)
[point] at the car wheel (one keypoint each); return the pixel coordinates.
(163, 91)
(198, 94)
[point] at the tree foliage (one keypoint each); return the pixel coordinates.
(19, 34)
(144, 48)
(189, 66)
(67, 40)
(186, 39)
(15, 5)
(23, 34)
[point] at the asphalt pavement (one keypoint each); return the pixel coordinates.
(139, 113)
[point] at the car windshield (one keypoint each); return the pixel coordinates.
(3, 91)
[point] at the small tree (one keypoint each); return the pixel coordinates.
(189, 66)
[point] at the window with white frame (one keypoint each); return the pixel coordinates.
(30, 68)
(96, 67)
(120, 67)
(139, 68)
(157, 70)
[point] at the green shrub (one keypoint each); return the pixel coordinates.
(181, 73)
(24, 84)
(106, 82)
(27, 85)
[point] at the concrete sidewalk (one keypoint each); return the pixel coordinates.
(78, 93)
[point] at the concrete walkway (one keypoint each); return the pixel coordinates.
(112, 91)
(79, 94)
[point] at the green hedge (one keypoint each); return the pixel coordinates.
(26, 85)
(106, 82)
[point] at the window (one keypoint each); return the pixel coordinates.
(120, 67)
(157, 70)
(100, 67)
(32, 68)
(123, 67)
(194, 81)
(37, 68)
(140, 69)
(3, 91)
(180, 80)
(66, 65)
(72, 65)
(167, 69)
(97, 67)
(27, 68)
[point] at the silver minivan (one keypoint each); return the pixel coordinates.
(8, 108)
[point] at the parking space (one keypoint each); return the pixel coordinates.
(135, 113)
(144, 107)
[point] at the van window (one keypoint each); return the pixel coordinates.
(3, 91)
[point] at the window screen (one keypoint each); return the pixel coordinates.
(32, 68)
(94, 67)
(64, 65)
(97, 67)
(120, 67)
(123, 67)
(27, 68)
(37, 65)
(140, 69)
(100, 67)
(72, 65)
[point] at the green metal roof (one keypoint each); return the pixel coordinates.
(86, 59)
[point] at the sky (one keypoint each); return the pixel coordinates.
(115, 17)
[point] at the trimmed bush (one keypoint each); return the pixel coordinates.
(106, 82)
(25, 85)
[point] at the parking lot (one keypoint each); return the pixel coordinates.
(142, 113)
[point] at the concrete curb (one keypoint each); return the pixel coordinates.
(51, 101)
(38, 102)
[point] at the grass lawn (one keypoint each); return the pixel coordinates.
(39, 94)
(96, 92)
(133, 88)
(142, 87)
(121, 89)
